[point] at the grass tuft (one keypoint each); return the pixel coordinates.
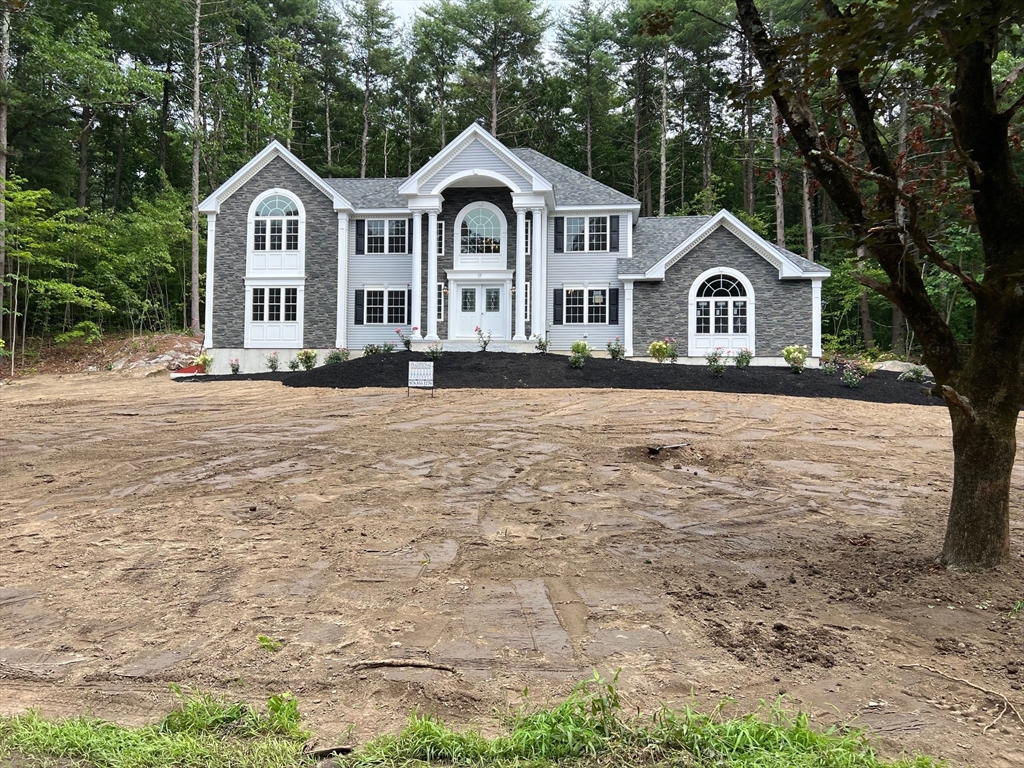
(202, 731)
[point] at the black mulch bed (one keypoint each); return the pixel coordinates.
(506, 370)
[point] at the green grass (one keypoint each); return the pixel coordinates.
(202, 731)
(268, 643)
(587, 730)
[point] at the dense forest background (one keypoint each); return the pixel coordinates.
(116, 115)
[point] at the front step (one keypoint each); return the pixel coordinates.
(465, 345)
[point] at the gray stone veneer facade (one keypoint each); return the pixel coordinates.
(320, 304)
(782, 307)
(455, 199)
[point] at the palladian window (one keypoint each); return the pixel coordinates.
(276, 225)
(481, 232)
(728, 298)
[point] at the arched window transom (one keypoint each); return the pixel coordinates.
(725, 286)
(481, 232)
(276, 225)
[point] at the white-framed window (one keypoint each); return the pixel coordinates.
(585, 306)
(727, 297)
(385, 305)
(481, 234)
(273, 312)
(528, 234)
(276, 234)
(442, 291)
(586, 233)
(440, 238)
(387, 236)
(529, 304)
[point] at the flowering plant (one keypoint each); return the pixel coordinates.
(435, 350)
(852, 374)
(542, 343)
(235, 366)
(307, 358)
(796, 356)
(272, 361)
(203, 360)
(406, 340)
(743, 358)
(616, 350)
(481, 339)
(715, 362)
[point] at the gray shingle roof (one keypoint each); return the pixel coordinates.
(655, 238)
(571, 187)
(371, 193)
(805, 265)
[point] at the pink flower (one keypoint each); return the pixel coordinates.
(398, 331)
(415, 327)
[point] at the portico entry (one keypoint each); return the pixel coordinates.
(480, 303)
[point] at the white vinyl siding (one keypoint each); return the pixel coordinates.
(476, 155)
(369, 271)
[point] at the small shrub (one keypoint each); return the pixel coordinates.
(293, 364)
(796, 356)
(434, 351)
(577, 360)
(542, 343)
(865, 367)
(914, 373)
(235, 366)
(86, 331)
(743, 358)
(273, 363)
(831, 366)
(580, 348)
(659, 350)
(481, 339)
(4, 351)
(715, 362)
(203, 359)
(852, 374)
(378, 349)
(616, 349)
(307, 359)
(406, 340)
(673, 349)
(336, 356)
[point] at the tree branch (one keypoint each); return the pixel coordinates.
(883, 289)
(1009, 80)
(948, 118)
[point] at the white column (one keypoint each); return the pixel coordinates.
(815, 318)
(211, 228)
(416, 318)
(432, 277)
(538, 324)
(341, 335)
(520, 334)
(627, 342)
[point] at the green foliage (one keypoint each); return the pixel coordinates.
(716, 363)
(268, 643)
(795, 355)
(203, 730)
(577, 360)
(852, 374)
(542, 343)
(378, 349)
(580, 348)
(434, 351)
(336, 356)
(273, 362)
(659, 350)
(203, 359)
(616, 349)
(590, 729)
(307, 358)
(235, 365)
(743, 358)
(914, 373)
(86, 331)
(293, 364)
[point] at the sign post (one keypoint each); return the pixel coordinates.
(421, 376)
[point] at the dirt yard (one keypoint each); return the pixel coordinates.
(152, 530)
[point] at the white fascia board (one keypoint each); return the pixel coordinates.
(426, 203)
(528, 200)
(363, 212)
(274, 149)
(610, 207)
(411, 186)
(642, 278)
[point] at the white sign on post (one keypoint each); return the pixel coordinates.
(421, 375)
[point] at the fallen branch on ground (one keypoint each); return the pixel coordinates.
(377, 663)
(658, 449)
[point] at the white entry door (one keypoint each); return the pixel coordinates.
(484, 307)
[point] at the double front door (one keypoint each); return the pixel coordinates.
(484, 307)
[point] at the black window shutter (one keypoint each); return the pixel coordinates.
(408, 236)
(559, 234)
(360, 238)
(613, 306)
(359, 306)
(408, 307)
(613, 234)
(559, 293)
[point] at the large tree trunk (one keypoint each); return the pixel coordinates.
(119, 164)
(83, 157)
(327, 124)
(165, 116)
(706, 136)
(780, 192)
(590, 121)
(748, 132)
(197, 127)
(5, 54)
(663, 187)
(682, 158)
(366, 124)
(494, 98)
(808, 218)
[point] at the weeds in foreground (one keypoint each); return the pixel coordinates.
(587, 730)
(203, 730)
(268, 643)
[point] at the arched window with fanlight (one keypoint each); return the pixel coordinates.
(482, 231)
(721, 312)
(276, 233)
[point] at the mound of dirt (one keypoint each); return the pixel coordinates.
(507, 370)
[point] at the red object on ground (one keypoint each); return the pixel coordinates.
(191, 370)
